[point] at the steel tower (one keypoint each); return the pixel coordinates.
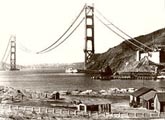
(13, 53)
(89, 34)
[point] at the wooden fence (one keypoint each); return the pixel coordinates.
(70, 112)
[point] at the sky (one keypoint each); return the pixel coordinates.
(38, 23)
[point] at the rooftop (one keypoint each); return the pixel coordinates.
(141, 91)
(161, 96)
(148, 96)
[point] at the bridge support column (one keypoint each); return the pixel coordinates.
(89, 34)
(13, 53)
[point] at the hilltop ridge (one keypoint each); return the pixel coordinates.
(123, 56)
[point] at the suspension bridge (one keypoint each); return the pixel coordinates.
(91, 13)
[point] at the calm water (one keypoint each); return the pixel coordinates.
(53, 80)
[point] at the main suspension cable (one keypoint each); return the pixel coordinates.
(116, 32)
(7, 57)
(122, 30)
(64, 32)
(65, 38)
(6, 49)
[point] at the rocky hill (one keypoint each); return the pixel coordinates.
(123, 56)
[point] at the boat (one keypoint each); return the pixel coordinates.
(71, 70)
(161, 77)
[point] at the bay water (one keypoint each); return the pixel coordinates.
(53, 80)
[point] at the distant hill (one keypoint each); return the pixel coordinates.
(61, 66)
(123, 56)
(55, 66)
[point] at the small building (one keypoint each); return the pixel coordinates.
(159, 102)
(55, 95)
(157, 56)
(135, 96)
(94, 107)
(147, 100)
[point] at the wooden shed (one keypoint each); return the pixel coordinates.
(55, 95)
(159, 102)
(135, 96)
(147, 100)
(94, 107)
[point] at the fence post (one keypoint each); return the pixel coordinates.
(32, 109)
(46, 95)
(105, 114)
(61, 111)
(112, 114)
(68, 112)
(97, 114)
(75, 112)
(135, 114)
(128, 115)
(158, 114)
(10, 107)
(24, 108)
(89, 113)
(46, 110)
(119, 115)
(54, 111)
(39, 109)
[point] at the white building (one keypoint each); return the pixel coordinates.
(154, 56)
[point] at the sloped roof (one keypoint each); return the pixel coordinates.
(141, 91)
(161, 97)
(148, 96)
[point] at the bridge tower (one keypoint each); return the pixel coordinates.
(13, 53)
(89, 34)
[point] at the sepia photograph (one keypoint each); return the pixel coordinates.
(82, 59)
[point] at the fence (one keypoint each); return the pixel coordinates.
(127, 115)
(70, 112)
(38, 110)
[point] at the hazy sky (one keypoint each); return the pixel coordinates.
(38, 23)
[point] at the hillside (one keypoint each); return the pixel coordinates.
(123, 56)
